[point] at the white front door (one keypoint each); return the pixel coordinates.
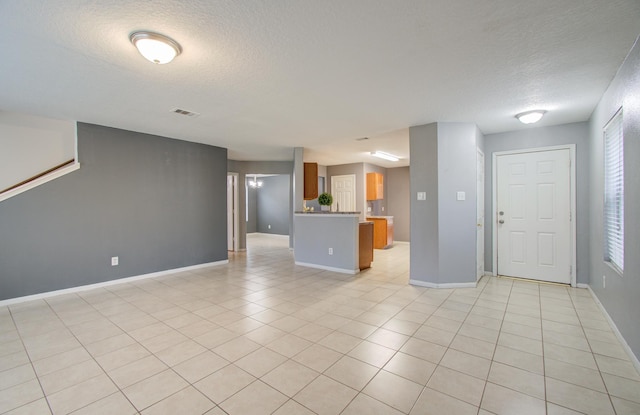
(480, 214)
(343, 190)
(534, 215)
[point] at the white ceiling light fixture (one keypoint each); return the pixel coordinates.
(530, 117)
(385, 156)
(155, 47)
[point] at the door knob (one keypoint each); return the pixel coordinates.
(501, 221)
(501, 213)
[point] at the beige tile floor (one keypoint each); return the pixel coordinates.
(261, 336)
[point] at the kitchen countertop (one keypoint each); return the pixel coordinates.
(379, 217)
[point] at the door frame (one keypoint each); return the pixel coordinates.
(572, 201)
(479, 155)
(234, 212)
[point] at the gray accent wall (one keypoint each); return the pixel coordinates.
(398, 197)
(251, 212)
(156, 203)
(576, 133)
(443, 229)
(273, 203)
(621, 297)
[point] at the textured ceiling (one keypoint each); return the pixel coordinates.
(267, 76)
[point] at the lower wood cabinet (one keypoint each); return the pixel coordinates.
(382, 231)
(366, 244)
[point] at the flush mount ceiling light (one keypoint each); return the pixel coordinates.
(386, 156)
(530, 117)
(155, 47)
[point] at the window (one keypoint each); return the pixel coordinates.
(614, 193)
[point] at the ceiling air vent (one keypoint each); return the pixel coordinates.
(185, 112)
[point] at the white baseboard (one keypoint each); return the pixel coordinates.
(447, 285)
(108, 283)
(625, 345)
(340, 270)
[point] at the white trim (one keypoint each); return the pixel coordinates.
(327, 213)
(108, 283)
(479, 153)
(40, 180)
(448, 285)
(235, 180)
(625, 345)
(340, 270)
(572, 184)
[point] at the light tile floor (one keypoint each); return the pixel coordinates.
(261, 335)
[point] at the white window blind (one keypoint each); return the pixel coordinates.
(614, 192)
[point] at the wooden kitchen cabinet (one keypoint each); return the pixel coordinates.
(366, 245)
(375, 186)
(382, 231)
(310, 181)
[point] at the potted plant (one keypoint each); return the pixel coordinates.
(325, 200)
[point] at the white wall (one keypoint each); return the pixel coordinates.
(32, 145)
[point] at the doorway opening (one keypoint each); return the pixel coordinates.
(268, 205)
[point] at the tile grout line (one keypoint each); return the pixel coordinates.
(495, 346)
(593, 354)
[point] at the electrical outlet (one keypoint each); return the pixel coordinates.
(330, 251)
(368, 208)
(604, 281)
(114, 261)
(383, 208)
(269, 226)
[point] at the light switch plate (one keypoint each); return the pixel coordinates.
(422, 195)
(462, 196)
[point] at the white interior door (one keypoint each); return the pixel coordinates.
(480, 215)
(534, 215)
(232, 212)
(343, 190)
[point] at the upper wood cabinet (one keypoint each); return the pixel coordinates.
(375, 186)
(310, 181)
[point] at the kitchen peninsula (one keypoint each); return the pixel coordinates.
(331, 241)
